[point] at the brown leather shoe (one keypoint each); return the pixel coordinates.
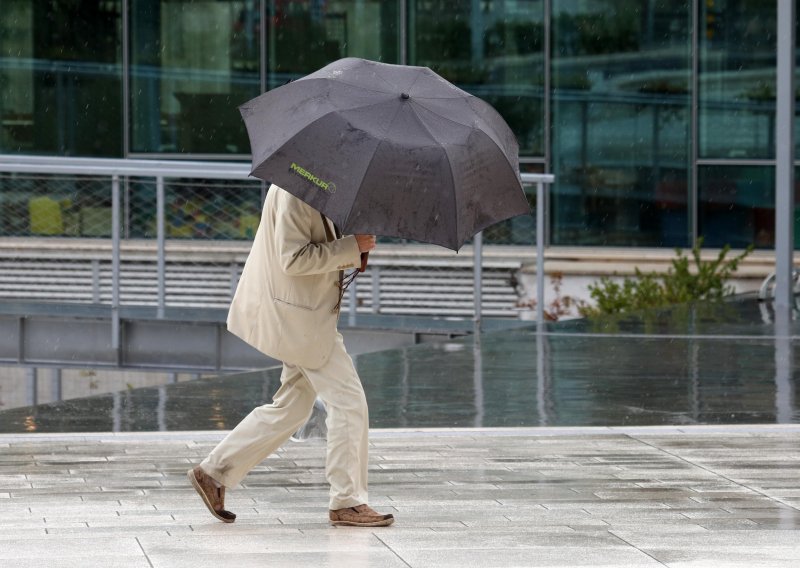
(359, 516)
(213, 496)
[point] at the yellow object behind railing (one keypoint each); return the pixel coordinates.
(45, 216)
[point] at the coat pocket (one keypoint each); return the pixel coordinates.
(304, 334)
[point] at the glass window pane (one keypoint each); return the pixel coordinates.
(737, 206)
(737, 79)
(60, 77)
(621, 74)
(494, 50)
(192, 64)
(304, 36)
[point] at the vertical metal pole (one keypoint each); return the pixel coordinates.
(548, 80)
(784, 365)
(262, 46)
(404, 21)
(477, 272)
(376, 289)
(56, 391)
(126, 101)
(542, 380)
(161, 240)
(405, 390)
(477, 380)
(126, 208)
(116, 412)
(161, 409)
(694, 379)
(539, 254)
(352, 297)
(21, 329)
(115, 262)
(271, 44)
(784, 159)
(694, 130)
(33, 386)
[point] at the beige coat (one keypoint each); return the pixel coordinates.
(284, 303)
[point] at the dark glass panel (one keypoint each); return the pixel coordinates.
(193, 62)
(60, 77)
(621, 74)
(304, 36)
(494, 50)
(736, 85)
(737, 206)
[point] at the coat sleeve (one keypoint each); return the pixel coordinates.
(299, 255)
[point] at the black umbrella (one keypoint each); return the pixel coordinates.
(390, 150)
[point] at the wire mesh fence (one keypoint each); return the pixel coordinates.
(54, 206)
(80, 206)
(60, 247)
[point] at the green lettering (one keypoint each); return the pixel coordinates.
(305, 174)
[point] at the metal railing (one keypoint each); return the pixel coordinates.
(161, 173)
(542, 204)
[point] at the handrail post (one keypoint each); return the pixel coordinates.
(784, 161)
(376, 288)
(115, 262)
(477, 273)
(351, 294)
(161, 248)
(540, 207)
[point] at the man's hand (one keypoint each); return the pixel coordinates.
(365, 242)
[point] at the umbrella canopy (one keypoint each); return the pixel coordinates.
(390, 150)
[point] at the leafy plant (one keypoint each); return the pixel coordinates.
(684, 282)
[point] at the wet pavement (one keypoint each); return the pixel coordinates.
(709, 364)
(694, 496)
(595, 458)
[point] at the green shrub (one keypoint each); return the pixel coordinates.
(684, 282)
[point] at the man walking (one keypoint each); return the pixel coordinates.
(286, 305)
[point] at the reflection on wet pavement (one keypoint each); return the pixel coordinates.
(701, 365)
(559, 497)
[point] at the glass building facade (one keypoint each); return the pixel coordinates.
(657, 117)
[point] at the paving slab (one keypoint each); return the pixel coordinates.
(609, 496)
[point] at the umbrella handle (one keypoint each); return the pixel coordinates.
(364, 257)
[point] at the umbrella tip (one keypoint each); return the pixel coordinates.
(404, 95)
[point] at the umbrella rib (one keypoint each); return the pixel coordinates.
(472, 127)
(372, 159)
(428, 130)
(447, 157)
(430, 110)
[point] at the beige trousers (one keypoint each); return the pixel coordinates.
(267, 427)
